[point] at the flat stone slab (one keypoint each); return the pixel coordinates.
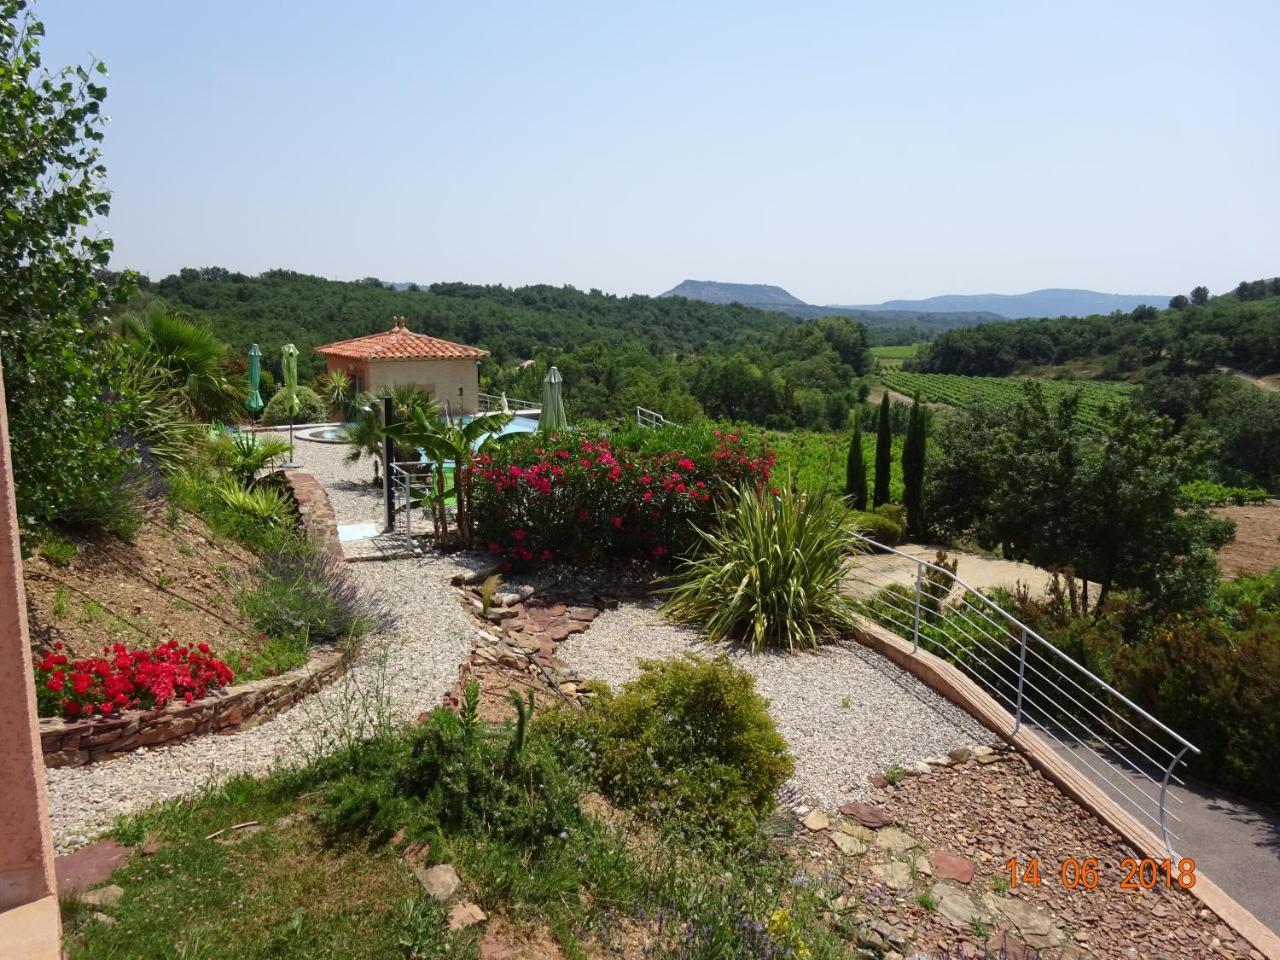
(950, 867)
(894, 840)
(895, 873)
(849, 846)
(89, 866)
(956, 905)
(817, 820)
(866, 814)
(440, 881)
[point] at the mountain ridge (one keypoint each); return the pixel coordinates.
(959, 309)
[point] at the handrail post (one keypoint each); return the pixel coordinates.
(1022, 680)
(915, 642)
(1164, 790)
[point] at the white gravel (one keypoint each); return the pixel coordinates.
(846, 711)
(393, 679)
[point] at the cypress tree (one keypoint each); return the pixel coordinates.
(855, 474)
(913, 456)
(884, 454)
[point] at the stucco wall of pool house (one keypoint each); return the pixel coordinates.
(442, 378)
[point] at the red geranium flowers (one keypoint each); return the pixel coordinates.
(121, 678)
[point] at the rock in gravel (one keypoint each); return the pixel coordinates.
(866, 814)
(894, 840)
(950, 867)
(465, 914)
(849, 846)
(817, 820)
(107, 896)
(955, 905)
(895, 873)
(856, 830)
(440, 881)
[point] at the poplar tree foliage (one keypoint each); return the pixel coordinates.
(62, 370)
(884, 454)
(855, 479)
(913, 460)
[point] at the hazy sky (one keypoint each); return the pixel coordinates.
(850, 152)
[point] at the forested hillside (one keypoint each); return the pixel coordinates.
(678, 356)
(281, 306)
(1240, 329)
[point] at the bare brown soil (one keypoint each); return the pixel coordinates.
(1256, 548)
(172, 583)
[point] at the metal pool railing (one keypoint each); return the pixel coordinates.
(651, 418)
(1112, 739)
(409, 488)
(490, 403)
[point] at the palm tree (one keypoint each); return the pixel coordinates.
(445, 442)
(193, 361)
(244, 454)
(364, 434)
(338, 391)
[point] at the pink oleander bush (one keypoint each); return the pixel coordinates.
(576, 496)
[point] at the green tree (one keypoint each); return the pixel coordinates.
(1178, 302)
(1200, 296)
(194, 362)
(62, 368)
(884, 454)
(913, 461)
(855, 477)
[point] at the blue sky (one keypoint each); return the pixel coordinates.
(851, 152)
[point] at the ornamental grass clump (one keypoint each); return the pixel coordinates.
(768, 573)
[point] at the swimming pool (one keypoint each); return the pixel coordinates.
(337, 434)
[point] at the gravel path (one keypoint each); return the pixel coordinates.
(846, 711)
(393, 679)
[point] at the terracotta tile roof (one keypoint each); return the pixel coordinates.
(400, 344)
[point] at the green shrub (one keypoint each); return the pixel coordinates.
(689, 741)
(769, 574)
(876, 526)
(1220, 688)
(304, 593)
(311, 408)
(456, 772)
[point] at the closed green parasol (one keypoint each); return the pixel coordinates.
(552, 417)
(289, 365)
(253, 402)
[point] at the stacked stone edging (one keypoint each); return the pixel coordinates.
(74, 743)
(315, 513)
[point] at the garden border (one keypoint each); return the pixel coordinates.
(960, 690)
(76, 743)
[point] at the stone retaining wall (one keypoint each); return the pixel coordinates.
(74, 743)
(315, 513)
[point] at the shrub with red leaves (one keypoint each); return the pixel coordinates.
(122, 679)
(580, 497)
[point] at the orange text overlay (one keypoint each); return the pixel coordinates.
(1086, 874)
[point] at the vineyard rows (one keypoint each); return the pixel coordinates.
(957, 391)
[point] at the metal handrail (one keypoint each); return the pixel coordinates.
(491, 403)
(1061, 698)
(651, 418)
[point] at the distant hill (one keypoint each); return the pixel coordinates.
(765, 296)
(1053, 302)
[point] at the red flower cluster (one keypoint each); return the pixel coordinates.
(121, 678)
(594, 496)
